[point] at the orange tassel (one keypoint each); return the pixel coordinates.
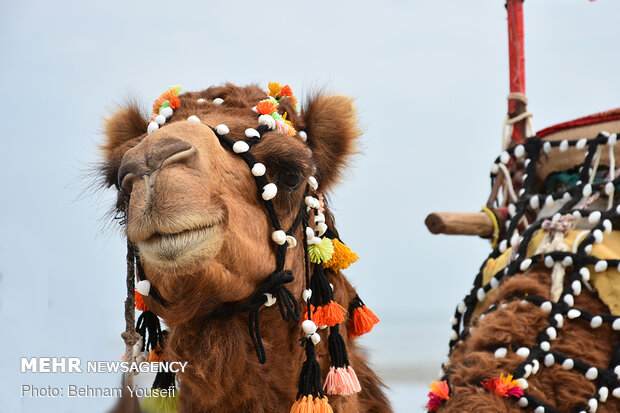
(140, 305)
(362, 321)
(317, 315)
(333, 313)
(342, 258)
(156, 355)
(308, 404)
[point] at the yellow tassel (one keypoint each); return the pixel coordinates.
(342, 258)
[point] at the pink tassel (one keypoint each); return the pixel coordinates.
(354, 380)
(341, 381)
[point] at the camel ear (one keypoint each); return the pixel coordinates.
(332, 129)
(121, 131)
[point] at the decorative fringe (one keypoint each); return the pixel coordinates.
(140, 305)
(308, 404)
(342, 258)
(361, 319)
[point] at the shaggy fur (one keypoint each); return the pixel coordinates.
(517, 325)
(213, 189)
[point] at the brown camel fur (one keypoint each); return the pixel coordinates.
(203, 237)
(516, 325)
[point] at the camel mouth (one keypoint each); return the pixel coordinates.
(180, 249)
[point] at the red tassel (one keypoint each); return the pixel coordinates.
(362, 321)
(140, 305)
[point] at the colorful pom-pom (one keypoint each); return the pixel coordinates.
(362, 321)
(321, 252)
(170, 97)
(140, 305)
(342, 258)
(440, 391)
(504, 386)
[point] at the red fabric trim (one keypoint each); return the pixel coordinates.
(601, 117)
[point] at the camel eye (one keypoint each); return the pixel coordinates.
(289, 178)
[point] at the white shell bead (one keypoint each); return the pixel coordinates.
(143, 287)
(581, 143)
(160, 119)
(279, 237)
(269, 191)
(167, 112)
(314, 184)
(564, 146)
(316, 338)
(308, 327)
(600, 266)
(291, 241)
(568, 364)
(523, 352)
(592, 373)
(218, 101)
(306, 294)
(153, 126)
(500, 353)
(596, 321)
(222, 129)
(303, 135)
(271, 300)
(252, 133)
(258, 169)
(549, 360)
(572, 314)
(240, 147)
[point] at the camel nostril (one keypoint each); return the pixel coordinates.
(127, 174)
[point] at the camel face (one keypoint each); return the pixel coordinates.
(192, 207)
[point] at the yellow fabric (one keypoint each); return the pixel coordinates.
(606, 283)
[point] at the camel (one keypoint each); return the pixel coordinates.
(205, 241)
(540, 329)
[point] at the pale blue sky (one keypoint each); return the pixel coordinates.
(430, 79)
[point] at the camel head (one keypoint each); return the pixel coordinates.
(191, 205)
